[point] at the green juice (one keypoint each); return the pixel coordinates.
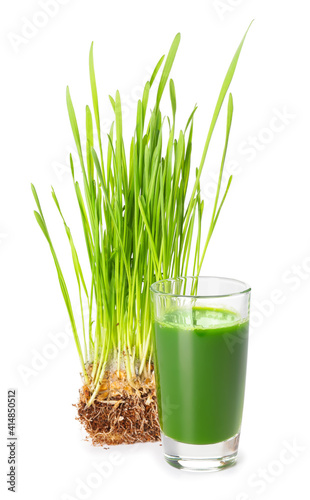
(200, 368)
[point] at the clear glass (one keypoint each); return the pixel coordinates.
(200, 329)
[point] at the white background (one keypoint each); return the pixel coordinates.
(262, 236)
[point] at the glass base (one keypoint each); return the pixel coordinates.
(201, 457)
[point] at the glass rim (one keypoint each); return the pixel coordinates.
(246, 288)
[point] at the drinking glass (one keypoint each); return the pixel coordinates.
(201, 327)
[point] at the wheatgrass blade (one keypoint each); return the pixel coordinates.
(41, 221)
(224, 89)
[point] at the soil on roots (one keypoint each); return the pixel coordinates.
(123, 412)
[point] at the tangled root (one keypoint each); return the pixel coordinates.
(123, 412)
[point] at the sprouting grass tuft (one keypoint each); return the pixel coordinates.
(138, 220)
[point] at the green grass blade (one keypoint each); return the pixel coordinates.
(157, 68)
(40, 219)
(167, 68)
(211, 228)
(225, 86)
